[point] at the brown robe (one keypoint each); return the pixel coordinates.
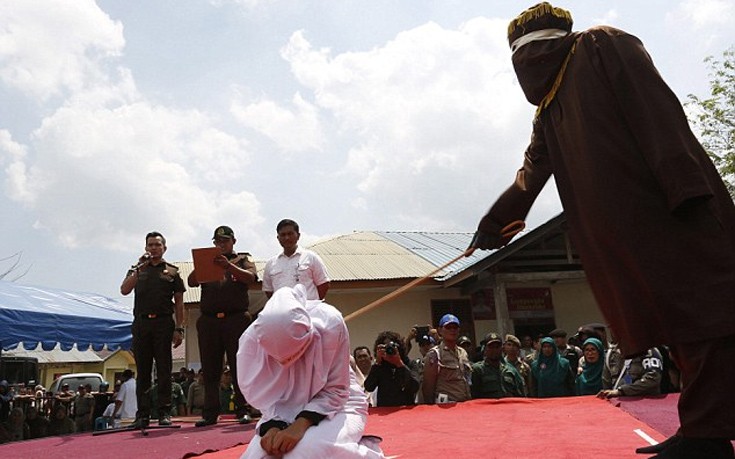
(649, 214)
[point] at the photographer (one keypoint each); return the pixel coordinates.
(421, 334)
(390, 374)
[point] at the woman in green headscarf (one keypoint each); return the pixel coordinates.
(589, 381)
(552, 375)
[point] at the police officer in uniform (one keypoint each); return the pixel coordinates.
(447, 367)
(631, 377)
(159, 294)
(224, 317)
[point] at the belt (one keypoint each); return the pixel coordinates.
(222, 315)
(152, 316)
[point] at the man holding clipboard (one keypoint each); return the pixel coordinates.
(224, 276)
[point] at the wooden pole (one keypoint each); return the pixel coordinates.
(400, 290)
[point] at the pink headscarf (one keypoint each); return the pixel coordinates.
(288, 356)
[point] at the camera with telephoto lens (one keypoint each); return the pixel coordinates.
(391, 348)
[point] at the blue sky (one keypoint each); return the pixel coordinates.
(123, 117)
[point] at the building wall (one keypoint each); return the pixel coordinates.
(117, 362)
(574, 305)
(192, 340)
(399, 314)
(48, 370)
(573, 302)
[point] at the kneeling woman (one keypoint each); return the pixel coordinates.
(293, 365)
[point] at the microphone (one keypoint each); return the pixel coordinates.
(144, 260)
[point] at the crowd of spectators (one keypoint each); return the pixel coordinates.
(28, 413)
(452, 369)
(34, 413)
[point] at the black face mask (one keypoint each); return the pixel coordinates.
(537, 65)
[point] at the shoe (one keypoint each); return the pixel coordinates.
(698, 448)
(164, 420)
(140, 423)
(205, 422)
(244, 419)
(655, 449)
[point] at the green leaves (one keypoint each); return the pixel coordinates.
(713, 117)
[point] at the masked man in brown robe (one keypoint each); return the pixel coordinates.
(649, 215)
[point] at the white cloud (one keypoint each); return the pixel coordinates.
(106, 164)
(13, 154)
(293, 130)
(47, 47)
(14, 150)
(96, 175)
(700, 14)
(609, 18)
(431, 110)
(249, 4)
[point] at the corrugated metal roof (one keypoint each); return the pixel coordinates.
(438, 248)
(369, 256)
(191, 295)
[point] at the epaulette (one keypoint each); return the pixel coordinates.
(243, 256)
(173, 269)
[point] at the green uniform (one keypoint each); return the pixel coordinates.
(489, 381)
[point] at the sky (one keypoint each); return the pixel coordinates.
(122, 117)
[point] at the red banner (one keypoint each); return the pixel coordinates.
(522, 303)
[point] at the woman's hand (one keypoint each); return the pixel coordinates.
(285, 440)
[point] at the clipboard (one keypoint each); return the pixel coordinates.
(206, 270)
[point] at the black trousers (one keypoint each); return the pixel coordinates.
(219, 338)
(152, 341)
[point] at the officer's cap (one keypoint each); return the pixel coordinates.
(558, 333)
(513, 339)
(492, 337)
(224, 231)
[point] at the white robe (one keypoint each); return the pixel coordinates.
(319, 380)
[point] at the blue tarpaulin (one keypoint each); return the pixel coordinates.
(32, 315)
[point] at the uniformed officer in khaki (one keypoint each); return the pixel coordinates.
(159, 295)
(512, 350)
(224, 317)
(447, 367)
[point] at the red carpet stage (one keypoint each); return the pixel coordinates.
(574, 427)
(658, 412)
(188, 441)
